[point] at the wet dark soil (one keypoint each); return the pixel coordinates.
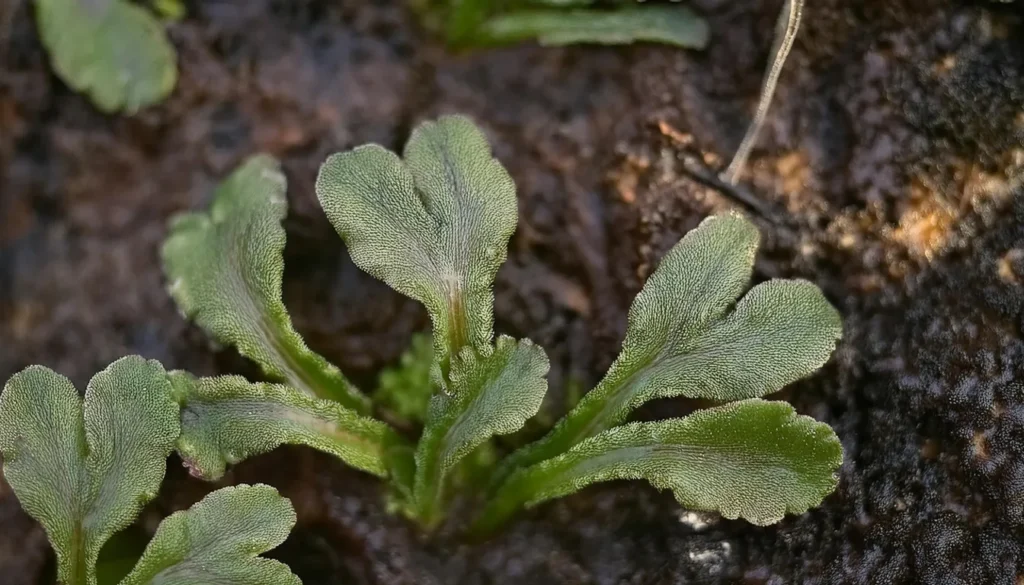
(890, 174)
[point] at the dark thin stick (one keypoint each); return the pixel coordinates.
(707, 177)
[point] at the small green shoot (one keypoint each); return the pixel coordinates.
(405, 390)
(435, 224)
(84, 468)
(688, 336)
(218, 541)
(113, 50)
(491, 394)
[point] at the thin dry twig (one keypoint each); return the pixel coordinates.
(785, 34)
(697, 169)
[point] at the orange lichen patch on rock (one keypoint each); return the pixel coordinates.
(1009, 264)
(925, 228)
(625, 185)
(711, 159)
(982, 189)
(927, 224)
(794, 169)
(626, 177)
(979, 444)
(677, 136)
(944, 65)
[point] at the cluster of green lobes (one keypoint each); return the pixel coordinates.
(434, 224)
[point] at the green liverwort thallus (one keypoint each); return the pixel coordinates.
(434, 224)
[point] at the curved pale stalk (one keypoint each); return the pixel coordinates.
(785, 34)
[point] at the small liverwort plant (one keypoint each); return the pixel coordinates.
(434, 224)
(84, 468)
(115, 51)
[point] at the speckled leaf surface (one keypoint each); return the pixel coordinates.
(688, 336)
(217, 541)
(225, 270)
(752, 459)
(84, 469)
(113, 50)
(227, 419)
(434, 224)
(492, 394)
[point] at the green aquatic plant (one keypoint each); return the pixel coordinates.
(434, 224)
(84, 468)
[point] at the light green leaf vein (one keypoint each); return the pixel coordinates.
(227, 419)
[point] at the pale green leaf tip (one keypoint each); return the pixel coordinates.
(225, 269)
(183, 249)
(812, 475)
(121, 57)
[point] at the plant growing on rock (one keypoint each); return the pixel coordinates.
(434, 224)
(85, 468)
